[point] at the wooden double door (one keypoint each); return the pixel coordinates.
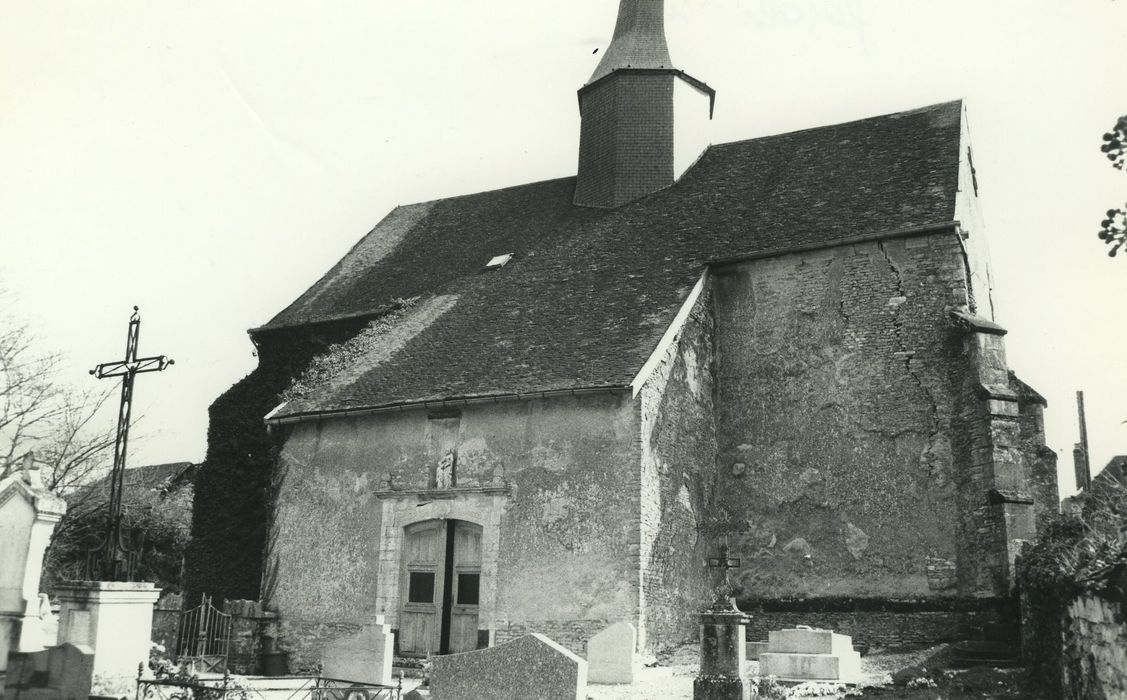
(440, 588)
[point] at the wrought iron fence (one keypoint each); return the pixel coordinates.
(261, 688)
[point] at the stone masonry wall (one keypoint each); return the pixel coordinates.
(678, 457)
(564, 471)
(834, 418)
(1094, 663)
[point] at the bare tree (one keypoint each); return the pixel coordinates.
(41, 414)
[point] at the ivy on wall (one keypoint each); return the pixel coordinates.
(233, 498)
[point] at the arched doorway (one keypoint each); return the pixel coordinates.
(440, 587)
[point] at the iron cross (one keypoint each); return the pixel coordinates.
(724, 589)
(112, 559)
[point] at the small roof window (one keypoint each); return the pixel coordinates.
(498, 261)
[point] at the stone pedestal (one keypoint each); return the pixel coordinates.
(114, 619)
(28, 513)
(723, 657)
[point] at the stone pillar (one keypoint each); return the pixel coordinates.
(115, 619)
(723, 657)
(28, 514)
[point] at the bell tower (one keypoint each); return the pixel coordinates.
(643, 122)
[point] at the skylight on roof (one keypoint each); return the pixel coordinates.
(498, 261)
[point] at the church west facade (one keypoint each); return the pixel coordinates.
(541, 408)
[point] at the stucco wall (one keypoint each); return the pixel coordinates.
(562, 481)
(1094, 658)
(834, 409)
(678, 456)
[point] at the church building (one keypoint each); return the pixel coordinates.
(543, 408)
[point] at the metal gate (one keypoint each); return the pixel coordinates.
(204, 637)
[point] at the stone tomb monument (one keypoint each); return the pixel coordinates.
(365, 657)
(806, 654)
(531, 666)
(611, 656)
(28, 513)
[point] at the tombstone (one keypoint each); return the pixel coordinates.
(28, 513)
(531, 666)
(364, 657)
(610, 655)
(807, 654)
(70, 670)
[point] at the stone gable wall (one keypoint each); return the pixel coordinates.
(556, 482)
(678, 457)
(834, 409)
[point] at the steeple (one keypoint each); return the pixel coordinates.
(639, 39)
(642, 120)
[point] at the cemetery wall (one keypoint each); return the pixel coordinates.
(678, 457)
(834, 417)
(563, 469)
(1094, 654)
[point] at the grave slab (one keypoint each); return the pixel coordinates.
(364, 657)
(531, 666)
(611, 656)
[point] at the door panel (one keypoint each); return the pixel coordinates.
(421, 586)
(441, 584)
(465, 585)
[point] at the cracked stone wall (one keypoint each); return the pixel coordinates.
(566, 528)
(834, 418)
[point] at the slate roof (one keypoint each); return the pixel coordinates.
(589, 293)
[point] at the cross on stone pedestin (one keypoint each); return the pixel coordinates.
(724, 588)
(112, 560)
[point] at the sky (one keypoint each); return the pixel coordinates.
(209, 160)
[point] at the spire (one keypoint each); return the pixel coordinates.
(639, 39)
(643, 122)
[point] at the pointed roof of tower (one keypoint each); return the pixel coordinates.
(639, 39)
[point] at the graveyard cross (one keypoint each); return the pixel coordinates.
(724, 588)
(112, 560)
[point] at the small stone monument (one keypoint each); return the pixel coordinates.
(723, 655)
(28, 514)
(364, 657)
(807, 654)
(611, 656)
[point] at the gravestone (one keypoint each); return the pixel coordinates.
(531, 666)
(610, 655)
(28, 514)
(806, 654)
(364, 657)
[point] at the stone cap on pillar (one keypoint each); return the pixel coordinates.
(113, 592)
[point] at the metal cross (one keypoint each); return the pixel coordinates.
(112, 560)
(724, 588)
